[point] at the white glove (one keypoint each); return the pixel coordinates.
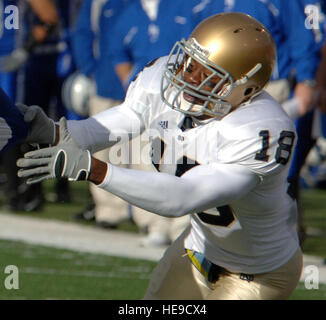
(42, 128)
(14, 60)
(65, 160)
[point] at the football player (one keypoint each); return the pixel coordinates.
(222, 147)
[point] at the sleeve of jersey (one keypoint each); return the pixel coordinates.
(13, 129)
(105, 129)
(201, 188)
(262, 148)
(115, 125)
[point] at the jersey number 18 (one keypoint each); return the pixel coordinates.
(283, 152)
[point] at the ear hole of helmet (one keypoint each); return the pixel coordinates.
(251, 90)
(248, 91)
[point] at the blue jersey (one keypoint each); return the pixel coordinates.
(285, 19)
(13, 129)
(7, 26)
(91, 44)
(9, 37)
(142, 35)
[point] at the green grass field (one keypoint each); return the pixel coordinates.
(313, 202)
(49, 273)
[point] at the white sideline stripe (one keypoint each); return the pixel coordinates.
(66, 235)
(72, 236)
(83, 273)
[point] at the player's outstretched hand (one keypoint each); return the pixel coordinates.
(42, 128)
(66, 160)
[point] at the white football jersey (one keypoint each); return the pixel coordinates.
(253, 234)
(256, 233)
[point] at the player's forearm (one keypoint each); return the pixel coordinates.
(45, 10)
(123, 71)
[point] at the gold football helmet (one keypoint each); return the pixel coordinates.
(235, 55)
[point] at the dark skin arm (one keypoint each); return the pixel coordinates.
(123, 71)
(98, 171)
(47, 12)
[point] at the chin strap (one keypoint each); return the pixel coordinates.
(248, 75)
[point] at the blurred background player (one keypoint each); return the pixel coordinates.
(146, 30)
(92, 39)
(310, 125)
(8, 42)
(12, 125)
(23, 64)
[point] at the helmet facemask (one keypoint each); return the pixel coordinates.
(173, 85)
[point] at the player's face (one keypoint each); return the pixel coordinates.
(195, 74)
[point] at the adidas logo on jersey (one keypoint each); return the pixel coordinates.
(164, 124)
